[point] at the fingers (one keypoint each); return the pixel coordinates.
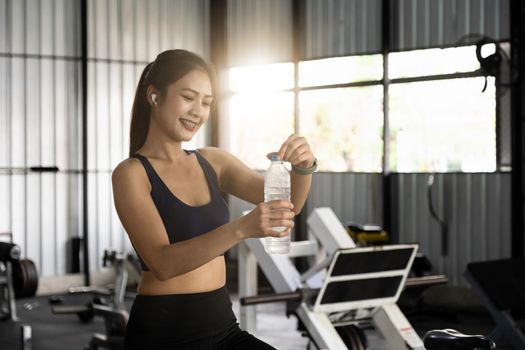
(276, 218)
(294, 142)
(279, 213)
(300, 154)
(285, 145)
(286, 224)
(278, 229)
(279, 205)
(296, 150)
(280, 223)
(272, 233)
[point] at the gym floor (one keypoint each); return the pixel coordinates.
(57, 332)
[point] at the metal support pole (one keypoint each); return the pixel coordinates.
(85, 230)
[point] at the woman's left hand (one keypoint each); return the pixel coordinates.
(296, 150)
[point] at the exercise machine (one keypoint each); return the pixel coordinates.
(500, 285)
(115, 316)
(345, 286)
(361, 285)
(13, 333)
(113, 312)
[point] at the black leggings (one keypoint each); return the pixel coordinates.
(187, 322)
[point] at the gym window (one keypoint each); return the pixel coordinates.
(443, 126)
(261, 111)
(439, 118)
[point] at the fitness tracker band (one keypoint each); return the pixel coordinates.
(305, 171)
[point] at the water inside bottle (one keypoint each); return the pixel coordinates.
(277, 193)
(275, 245)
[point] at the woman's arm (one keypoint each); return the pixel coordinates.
(237, 179)
(234, 177)
(142, 222)
(300, 188)
(296, 150)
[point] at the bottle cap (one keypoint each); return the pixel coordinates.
(274, 156)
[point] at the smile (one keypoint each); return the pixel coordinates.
(188, 124)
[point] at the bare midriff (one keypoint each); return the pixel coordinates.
(208, 277)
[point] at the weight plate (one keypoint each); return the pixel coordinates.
(33, 278)
(359, 336)
(18, 277)
(353, 337)
(25, 278)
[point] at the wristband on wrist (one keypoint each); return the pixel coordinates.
(305, 171)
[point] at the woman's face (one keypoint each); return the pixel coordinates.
(185, 107)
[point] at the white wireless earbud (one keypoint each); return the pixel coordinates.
(154, 98)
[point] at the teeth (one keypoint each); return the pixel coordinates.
(188, 123)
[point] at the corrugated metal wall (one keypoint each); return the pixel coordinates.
(356, 197)
(342, 27)
(476, 208)
(435, 23)
(40, 111)
(349, 27)
(259, 31)
(40, 125)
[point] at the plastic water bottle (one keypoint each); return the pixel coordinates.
(277, 186)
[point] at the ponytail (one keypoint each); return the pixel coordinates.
(140, 114)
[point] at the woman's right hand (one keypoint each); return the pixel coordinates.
(259, 222)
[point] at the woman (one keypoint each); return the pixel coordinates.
(168, 200)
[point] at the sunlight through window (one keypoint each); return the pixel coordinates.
(260, 116)
(345, 127)
(261, 78)
(434, 126)
(444, 125)
(432, 62)
(340, 70)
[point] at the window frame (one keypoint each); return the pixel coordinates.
(385, 82)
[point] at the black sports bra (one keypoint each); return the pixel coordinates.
(183, 221)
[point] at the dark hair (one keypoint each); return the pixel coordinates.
(168, 67)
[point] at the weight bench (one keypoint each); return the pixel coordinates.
(501, 286)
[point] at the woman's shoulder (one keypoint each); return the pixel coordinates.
(212, 152)
(129, 183)
(219, 156)
(219, 159)
(215, 156)
(130, 167)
